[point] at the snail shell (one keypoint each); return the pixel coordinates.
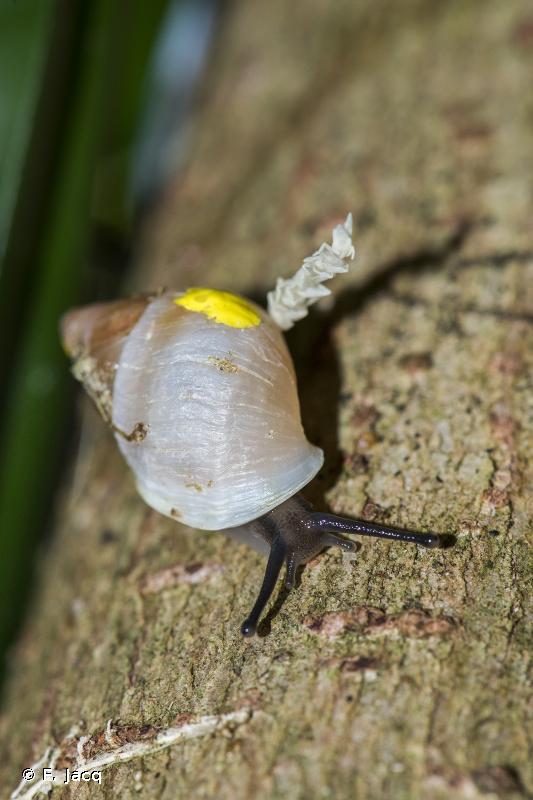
(200, 390)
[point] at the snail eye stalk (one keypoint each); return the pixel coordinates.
(275, 562)
(331, 522)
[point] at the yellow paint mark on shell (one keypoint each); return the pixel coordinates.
(222, 307)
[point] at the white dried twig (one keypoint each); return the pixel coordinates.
(109, 733)
(27, 790)
(122, 753)
(289, 301)
(82, 741)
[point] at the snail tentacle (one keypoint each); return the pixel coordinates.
(278, 554)
(334, 540)
(320, 521)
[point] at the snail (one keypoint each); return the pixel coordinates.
(200, 392)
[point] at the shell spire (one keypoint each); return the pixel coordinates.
(291, 298)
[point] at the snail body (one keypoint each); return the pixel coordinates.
(200, 392)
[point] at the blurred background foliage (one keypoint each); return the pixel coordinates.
(94, 95)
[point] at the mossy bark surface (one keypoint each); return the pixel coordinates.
(394, 672)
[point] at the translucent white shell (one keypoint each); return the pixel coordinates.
(219, 408)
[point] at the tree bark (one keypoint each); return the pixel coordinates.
(396, 672)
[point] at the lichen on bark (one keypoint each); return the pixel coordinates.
(395, 672)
